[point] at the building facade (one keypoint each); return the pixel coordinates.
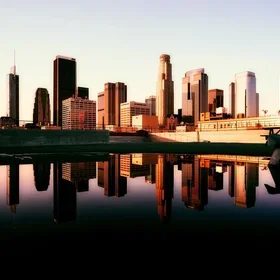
(64, 84)
(101, 111)
(109, 104)
(78, 113)
(151, 101)
(13, 95)
(145, 122)
(194, 94)
(245, 95)
(215, 99)
(165, 90)
(82, 92)
(42, 111)
(231, 99)
(132, 108)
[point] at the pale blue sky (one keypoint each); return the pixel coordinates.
(121, 40)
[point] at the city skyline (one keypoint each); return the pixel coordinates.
(132, 57)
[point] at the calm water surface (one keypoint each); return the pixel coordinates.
(202, 200)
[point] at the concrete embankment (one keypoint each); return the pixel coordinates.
(16, 138)
(149, 147)
(230, 136)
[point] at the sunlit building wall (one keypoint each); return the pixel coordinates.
(151, 101)
(101, 110)
(78, 113)
(215, 99)
(194, 94)
(130, 109)
(109, 112)
(165, 90)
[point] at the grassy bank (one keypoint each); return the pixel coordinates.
(150, 147)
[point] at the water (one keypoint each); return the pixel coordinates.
(202, 201)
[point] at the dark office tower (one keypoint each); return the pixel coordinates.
(165, 90)
(64, 197)
(194, 94)
(42, 176)
(82, 92)
(164, 187)
(13, 95)
(42, 111)
(12, 186)
(114, 95)
(151, 101)
(215, 99)
(64, 84)
(231, 100)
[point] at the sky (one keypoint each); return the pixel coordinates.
(121, 40)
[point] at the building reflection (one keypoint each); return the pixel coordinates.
(12, 186)
(195, 184)
(246, 179)
(134, 165)
(200, 174)
(109, 177)
(41, 173)
(230, 170)
(79, 173)
(64, 197)
(164, 187)
(145, 166)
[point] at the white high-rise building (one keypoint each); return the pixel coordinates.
(245, 95)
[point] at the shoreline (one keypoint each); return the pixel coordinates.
(148, 147)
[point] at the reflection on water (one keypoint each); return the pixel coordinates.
(174, 187)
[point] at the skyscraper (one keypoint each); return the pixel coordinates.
(109, 104)
(194, 94)
(13, 95)
(215, 99)
(231, 99)
(64, 84)
(165, 90)
(42, 111)
(82, 92)
(151, 101)
(78, 113)
(245, 95)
